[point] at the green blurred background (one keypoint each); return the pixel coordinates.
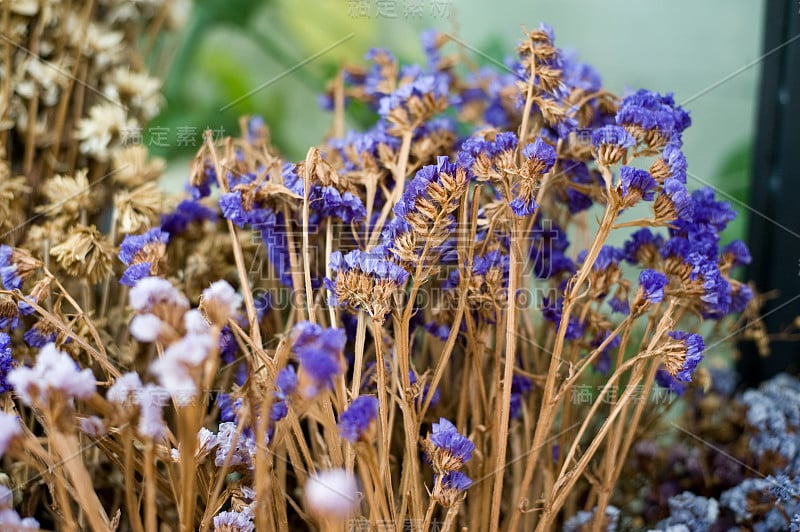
(704, 52)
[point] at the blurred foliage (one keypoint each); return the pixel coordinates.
(732, 183)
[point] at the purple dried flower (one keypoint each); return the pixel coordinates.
(133, 245)
(6, 362)
(636, 184)
(356, 420)
(365, 281)
(54, 372)
(320, 353)
(684, 354)
(611, 142)
(456, 480)
(186, 213)
(446, 449)
(652, 284)
(737, 253)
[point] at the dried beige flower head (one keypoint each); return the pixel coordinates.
(132, 167)
(105, 127)
(135, 89)
(85, 253)
(70, 195)
(139, 208)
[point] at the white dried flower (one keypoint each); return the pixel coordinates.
(106, 124)
(332, 494)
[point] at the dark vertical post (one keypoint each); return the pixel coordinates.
(775, 190)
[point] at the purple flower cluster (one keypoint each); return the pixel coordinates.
(319, 351)
(6, 362)
(356, 420)
(652, 118)
(141, 254)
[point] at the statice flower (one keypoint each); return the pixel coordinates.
(365, 281)
(54, 374)
(10, 428)
(6, 362)
(611, 143)
(178, 369)
(669, 383)
(242, 451)
(652, 118)
(354, 423)
(580, 520)
(652, 284)
(319, 351)
(152, 291)
(736, 254)
(694, 513)
(671, 163)
(143, 254)
(635, 185)
(424, 215)
(682, 354)
(331, 494)
(448, 488)
(286, 384)
(16, 266)
(186, 213)
(220, 302)
(9, 518)
(539, 159)
(446, 449)
(235, 521)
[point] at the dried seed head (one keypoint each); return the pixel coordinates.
(85, 253)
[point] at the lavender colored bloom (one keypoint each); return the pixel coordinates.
(419, 189)
(652, 284)
(694, 513)
(639, 243)
(636, 181)
(10, 428)
(38, 336)
(11, 520)
(6, 362)
(135, 272)
(227, 412)
(607, 257)
(364, 281)
(8, 269)
(679, 196)
(356, 420)
(653, 113)
(133, 245)
(54, 372)
(242, 453)
(186, 213)
(666, 381)
(674, 161)
(320, 353)
(738, 253)
(445, 437)
(456, 480)
(612, 135)
(234, 210)
(580, 520)
(694, 345)
(234, 521)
